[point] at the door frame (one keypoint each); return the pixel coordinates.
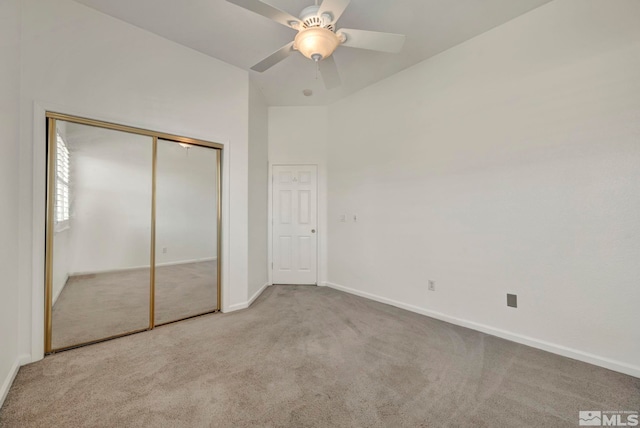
(319, 231)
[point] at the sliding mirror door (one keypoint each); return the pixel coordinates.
(101, 181)
(186, 273)
(133, 230)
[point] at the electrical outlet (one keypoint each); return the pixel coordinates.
(164, 250)
(512, 300)
(432, 285)
(343, 218)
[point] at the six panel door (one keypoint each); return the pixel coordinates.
(295, 224)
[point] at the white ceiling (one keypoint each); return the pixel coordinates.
(242, 38)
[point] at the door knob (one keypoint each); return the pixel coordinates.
(313, 231)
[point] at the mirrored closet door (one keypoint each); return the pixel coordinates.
(186, 231)
(133, 225)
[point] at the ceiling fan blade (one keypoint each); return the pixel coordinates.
(329, 72)
(373, 40)
(274, 58)
(333, 7)
(268, 11)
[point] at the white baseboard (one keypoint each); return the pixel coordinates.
(55, 296)
(235, 307)
(514, 337)
(257, 294)
(186, 262)
(179, 262)
(8, 381)
(245, 305)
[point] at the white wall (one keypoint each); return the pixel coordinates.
(79, 61)
(298, 135)
(9, 134)
(508, 164)
(258, 175)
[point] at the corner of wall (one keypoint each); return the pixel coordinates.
(258, 182)
(11, 376)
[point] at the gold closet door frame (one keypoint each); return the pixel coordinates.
(52, 118)
(219, 233)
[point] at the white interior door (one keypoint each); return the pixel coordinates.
(295, 218)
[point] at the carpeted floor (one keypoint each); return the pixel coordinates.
(93, 307)
(305, 356)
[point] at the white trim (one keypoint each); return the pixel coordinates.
(319, 225)
(257, 294)
(38, 216)
(225, 210)
(178, 262)
(245, 305)
(55, 296)
(235, 307)
(514, 337)
(8, 381)
(38, 221)
(186, 262)
(270, 224)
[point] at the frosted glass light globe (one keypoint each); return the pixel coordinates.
(316, 43)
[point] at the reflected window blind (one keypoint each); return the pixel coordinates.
(62, 181)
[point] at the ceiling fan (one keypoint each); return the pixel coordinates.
(317, 37)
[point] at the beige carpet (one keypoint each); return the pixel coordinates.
(305, 356)
(93, 307)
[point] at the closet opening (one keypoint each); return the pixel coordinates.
(132, 230)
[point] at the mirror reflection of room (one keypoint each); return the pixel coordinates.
(102, 234)
(186, 231)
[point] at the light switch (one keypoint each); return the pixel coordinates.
(343, 218)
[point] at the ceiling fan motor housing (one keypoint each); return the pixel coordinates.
(316, 38)
(310, 18)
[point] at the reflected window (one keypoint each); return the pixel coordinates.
(62, 183)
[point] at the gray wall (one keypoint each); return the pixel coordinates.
(9, 155)
(507, 164)
(258, 180)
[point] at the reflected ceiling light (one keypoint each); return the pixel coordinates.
(185, 145)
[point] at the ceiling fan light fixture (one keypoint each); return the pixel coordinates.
(316, 43)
